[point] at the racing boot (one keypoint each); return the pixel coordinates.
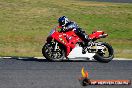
(86, 43)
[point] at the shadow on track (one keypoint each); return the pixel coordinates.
(41, 60)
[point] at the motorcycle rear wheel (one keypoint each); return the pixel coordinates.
(99, 56)
(51, 55)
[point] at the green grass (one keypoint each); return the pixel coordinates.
(25, 24)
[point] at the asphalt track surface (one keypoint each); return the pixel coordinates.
(33, 73)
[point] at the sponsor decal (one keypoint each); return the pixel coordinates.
(84, 80)
(62, 40)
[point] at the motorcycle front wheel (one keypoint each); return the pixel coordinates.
(51, 55)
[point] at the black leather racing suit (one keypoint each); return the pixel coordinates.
(72, 25)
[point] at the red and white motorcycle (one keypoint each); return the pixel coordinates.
(60, 45)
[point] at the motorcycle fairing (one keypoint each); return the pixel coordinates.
(68, 39)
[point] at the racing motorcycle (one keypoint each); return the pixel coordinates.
(59, 45)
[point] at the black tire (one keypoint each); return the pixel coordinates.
(48, 57)
(101, 58)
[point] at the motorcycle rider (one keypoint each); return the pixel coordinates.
(66, 25)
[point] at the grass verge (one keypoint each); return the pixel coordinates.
(25, 24)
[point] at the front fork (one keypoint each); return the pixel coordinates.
(56, 46)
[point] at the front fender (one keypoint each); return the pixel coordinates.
(49, 38)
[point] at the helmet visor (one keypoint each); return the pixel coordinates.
(61, 23)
